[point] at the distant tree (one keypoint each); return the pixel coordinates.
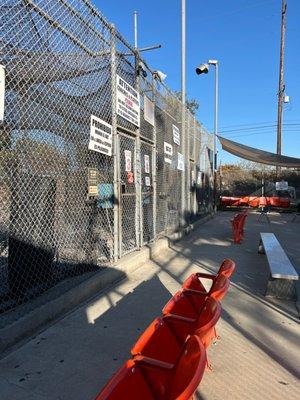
(191, 104)
(245, 177)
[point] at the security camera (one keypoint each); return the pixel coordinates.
(142, 69)
(202, 69)
(159, 75)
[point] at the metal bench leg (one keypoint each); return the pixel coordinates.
(260, 215)
(294, 218)
(281, 288)
(261, 249)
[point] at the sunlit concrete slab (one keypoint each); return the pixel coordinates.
(257, 356)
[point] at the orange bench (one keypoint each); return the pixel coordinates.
(169, 358)
(142, 379)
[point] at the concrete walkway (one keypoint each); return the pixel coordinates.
(258, 356)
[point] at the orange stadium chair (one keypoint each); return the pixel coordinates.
(203, 326)
(159, 342)
(150, 380)
(227, 268)
(180, 304)
(218, 290)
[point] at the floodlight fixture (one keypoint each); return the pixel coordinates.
(159, 75)
(202, 69)
(142, 70)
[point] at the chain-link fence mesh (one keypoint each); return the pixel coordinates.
(61, 60)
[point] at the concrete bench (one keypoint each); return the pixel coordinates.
(283, 275)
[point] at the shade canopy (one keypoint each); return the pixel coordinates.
(257, 155)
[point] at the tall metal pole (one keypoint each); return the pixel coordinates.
(135, 16)
(183, 51)
(216, 113)
(215, 134)
(183, 95)
(116, 152)
(281, 81)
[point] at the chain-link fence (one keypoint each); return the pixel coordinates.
(71, 201)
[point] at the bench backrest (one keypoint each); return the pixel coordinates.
(227, 267)
(203, 327)
(180, 304)
(128, 381)
(158, 342)
(220, 287)
(194, 282)
(181, 382)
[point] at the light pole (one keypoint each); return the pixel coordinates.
(216, 64)
(203, 69)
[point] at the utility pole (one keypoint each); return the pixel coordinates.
(183, 52)
(281, 88)
(135, 17)
(183, 95)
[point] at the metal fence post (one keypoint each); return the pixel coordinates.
(183, 210)
(138, 172)
(116, 151)
(188, 169)
(154, 176)
(195, 169)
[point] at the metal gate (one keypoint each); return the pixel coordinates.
(129, 213)
(147, 189)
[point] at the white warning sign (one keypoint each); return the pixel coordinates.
(100, 136)
(180, 164)
(2, 92)
(148, 110)
(176, 135)
(168, 150)
(128, 102)
(147, 163)
(128, 165)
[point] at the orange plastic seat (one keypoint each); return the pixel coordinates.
(159, 342)
(181, 381)
(262, 202)
(218, 290)
(203, 326)
(227, 268)
(238, 223)
(182, 305)
(128, 382)
(140, 379)
(219, 287)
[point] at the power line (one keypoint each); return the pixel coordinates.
(259, 133)
(256, 127)
(258, 123)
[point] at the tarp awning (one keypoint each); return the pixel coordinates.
(257, 155)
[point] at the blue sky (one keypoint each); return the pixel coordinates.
(244, 35)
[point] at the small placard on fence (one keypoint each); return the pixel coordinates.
(2, 92)
(128, 163)
(100, 136)
(180, 164)
(147, 163)
(176, 135)
(168, 150)
(148, 110)
(128, 102)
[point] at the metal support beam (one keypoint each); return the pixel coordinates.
(281, 81)
(183, 96)
(116, 152)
